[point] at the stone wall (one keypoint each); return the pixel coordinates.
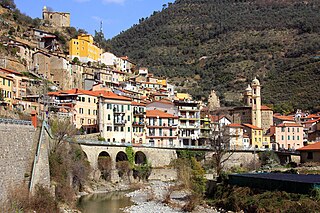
(17, 149)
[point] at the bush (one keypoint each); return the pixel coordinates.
(21, 201)
(123, 168)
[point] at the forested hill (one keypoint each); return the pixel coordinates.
(222, 44)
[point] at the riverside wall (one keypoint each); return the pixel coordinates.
(17, 149)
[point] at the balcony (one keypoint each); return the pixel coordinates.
(118, 111)
(189, 117)
(184, 126)
(139, 113)
(121, 122)
(206, 127)
(191, 109)
(140, 123)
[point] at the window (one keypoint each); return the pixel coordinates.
(288, 129)
(298, 129)
(9, 83)
(128, 107)
(160, 132)
(282, 137)
(109, 106)
(89, 121)
(282, 129)
(292, 137)
(109, 117)
(89, 100)
(83, 99)
(81, 110)
(292, 129)
(122, 108)
(128, 117)
(310, 155)
(128, 129)
(88, 111)
(94, 100)
(171, 134)
(122, 129)
(298, 137)
(82, 120)
(288, 137)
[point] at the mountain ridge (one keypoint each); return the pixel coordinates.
(203, 45)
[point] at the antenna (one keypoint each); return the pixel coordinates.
(101, 26)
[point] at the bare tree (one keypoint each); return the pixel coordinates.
(62, 130)
(221, 147)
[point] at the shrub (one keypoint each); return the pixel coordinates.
(123, 168)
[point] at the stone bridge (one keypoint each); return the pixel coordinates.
(158, 157)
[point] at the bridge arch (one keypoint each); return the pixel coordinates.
(121, 156)
(105, 165)
(140, 157)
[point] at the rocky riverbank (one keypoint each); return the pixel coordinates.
(152, 199)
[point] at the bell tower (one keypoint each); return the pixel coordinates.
(256, 103)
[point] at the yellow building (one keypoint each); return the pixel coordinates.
(6, 85)
(84, 49)
(257, 139)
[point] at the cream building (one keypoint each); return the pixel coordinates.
(115, 118)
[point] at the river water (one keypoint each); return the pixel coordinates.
(111, 202)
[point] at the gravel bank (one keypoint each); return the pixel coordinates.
(149, 200)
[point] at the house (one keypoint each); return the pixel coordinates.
(189, 122)
(289, 136)
(115, 117)
(234, 133)
(257, 139)
(162, 129)
(138, 123)
(79, 105)
(310, 153)
(6, 90)
(84, 49)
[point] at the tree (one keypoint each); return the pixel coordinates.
(8, 4)
(1, 95)
(62, 130)
(221, 147)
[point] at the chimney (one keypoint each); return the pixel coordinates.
(34, 118)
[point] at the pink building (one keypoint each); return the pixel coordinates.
(289, 135)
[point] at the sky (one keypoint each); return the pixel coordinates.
(116, 15)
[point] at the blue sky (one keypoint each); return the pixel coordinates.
(117, 15)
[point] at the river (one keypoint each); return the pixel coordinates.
(111, 202)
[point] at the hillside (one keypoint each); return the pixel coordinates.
(213, 44)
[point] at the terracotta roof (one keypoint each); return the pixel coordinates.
(311, 121)
(133, 103)
(284, 118)
(251, 126)
(235, 125)
(311, 147)
(119, 72)
(216, 118)
(246, 136)
(161, 114)
(263, 107)
(289, 125)
(97, 93)
(312, 116)
(10, 71)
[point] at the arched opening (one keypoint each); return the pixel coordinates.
(122, 164)
(85, 155)
(140, 158)
(105, 165)
(121, 156)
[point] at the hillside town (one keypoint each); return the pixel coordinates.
(110, 96)
(86, 129)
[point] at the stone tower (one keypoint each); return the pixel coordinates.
(248, 96)
(256, 103)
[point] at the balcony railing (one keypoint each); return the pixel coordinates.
(121, 122)
(140, 123)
